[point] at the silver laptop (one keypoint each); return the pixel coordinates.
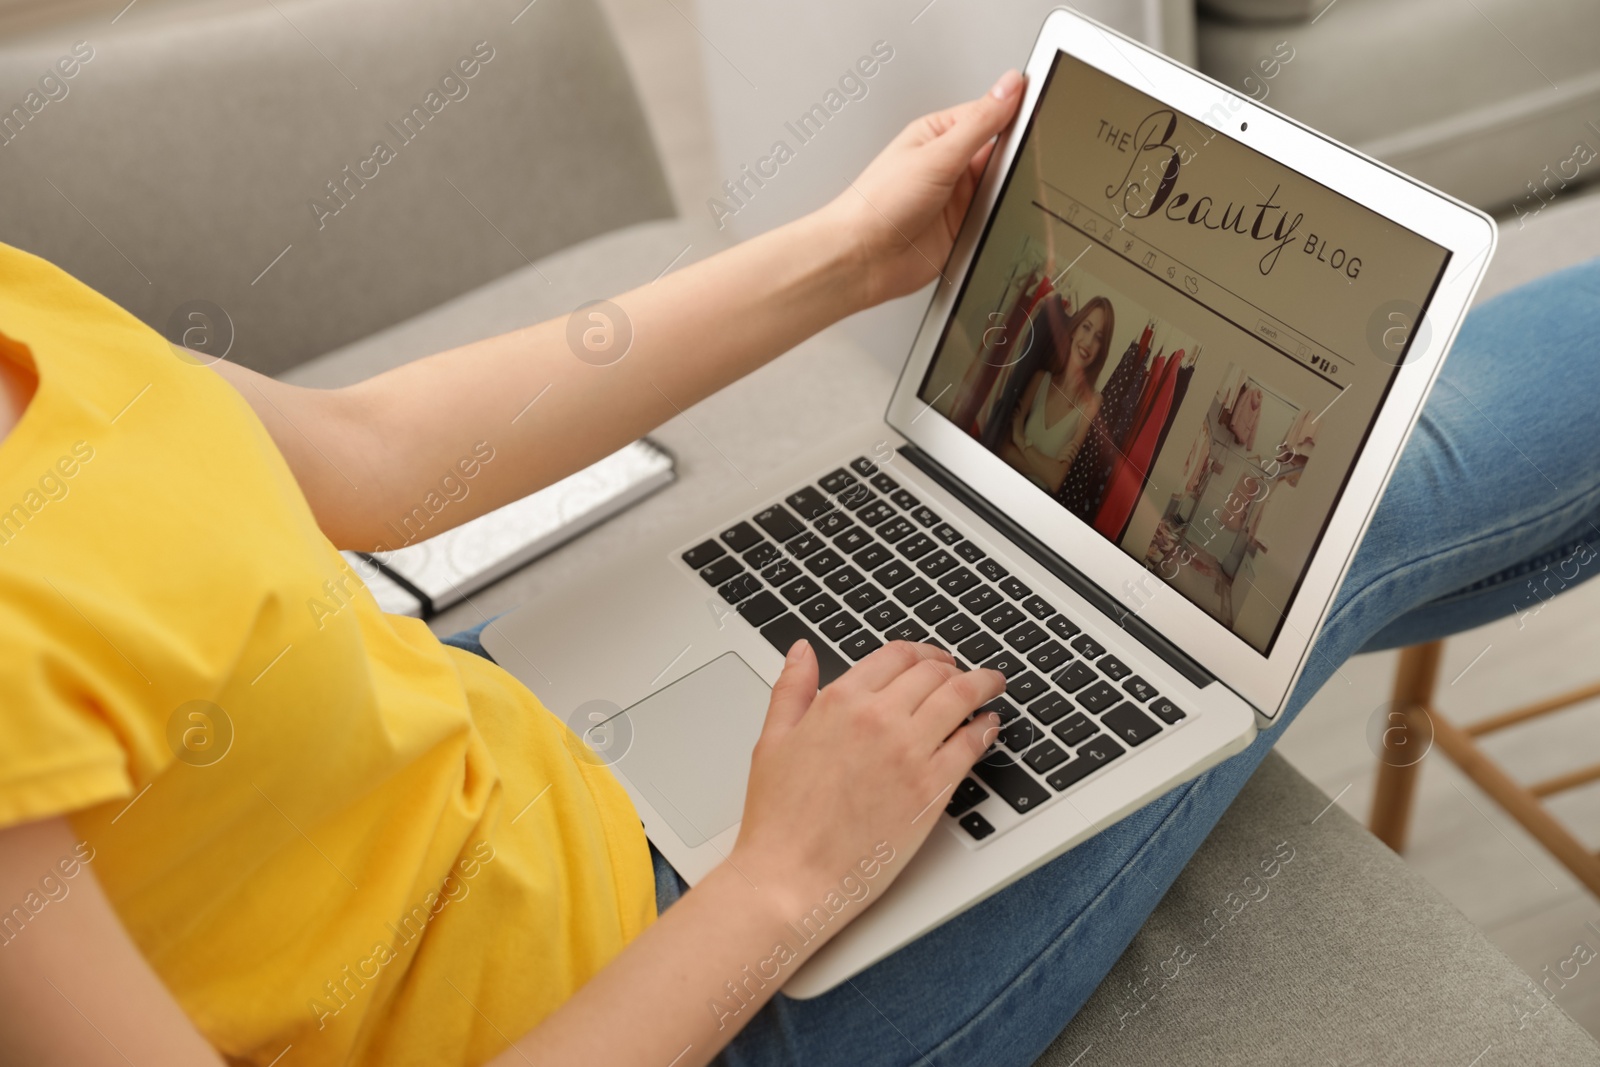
(1261, 311)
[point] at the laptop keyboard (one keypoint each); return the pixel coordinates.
(855, 560)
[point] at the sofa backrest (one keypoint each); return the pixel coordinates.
(315, 169)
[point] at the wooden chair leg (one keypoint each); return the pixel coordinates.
(1403, 743)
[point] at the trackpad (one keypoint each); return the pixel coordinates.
(689, 753)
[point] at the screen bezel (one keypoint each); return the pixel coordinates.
(1469, 236)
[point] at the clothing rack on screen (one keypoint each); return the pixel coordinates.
(1165, 385)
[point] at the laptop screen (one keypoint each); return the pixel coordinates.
(1181, 341)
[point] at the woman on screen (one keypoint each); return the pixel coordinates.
(1060, 401)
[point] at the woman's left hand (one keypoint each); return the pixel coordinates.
(905, 209)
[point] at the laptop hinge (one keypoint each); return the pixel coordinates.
(1108, 605)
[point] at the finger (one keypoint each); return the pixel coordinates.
(947, 706)
(884, 665)
(966, 746)
(912, 689)
(794, 691)
(964, 129)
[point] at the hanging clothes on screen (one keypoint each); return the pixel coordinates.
(1246, 415)
(1132, 467)
(1179, 388)
(1048, 338)
(1085, 484)
(994, 355)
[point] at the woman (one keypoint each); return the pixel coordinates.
(1060, 401)
(396, 859)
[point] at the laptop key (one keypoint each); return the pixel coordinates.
(1075, 729)
(1130, 724)
(856, 496)
(1002, 707)
(781, 573)
(1099, 696)
(873, 514)
(935, 564)
(904, 500)
(839, 626)
(1001, 618)
(905, 631)
(1062, 626)
(968, 795)
(843, 580)
(1074, 676)
(976, 825)
(1050, 707)
(894, 531)
(761, 555)
(808, 503)
(1114, 668)
(914, 548)
(957, 628)
(1088, 647)
(740, 536)
(859, 644)
(934, 611)
(1045, 756)
(884, 484)
(702, 554)
(1138, 689)
(787, 628)
(824, 561)
(980, 600)
(820, 607)
(1006, 663)
(1167, 711)
(836, 481)
(947, 533)
(992, 570)
(1014, 589)
(852, 540)
(1024, 637)
(913, 592)
(977, 648)
(969, 551)
(800, 590)
(958, 581)
(832, 523)
(863, 466)
(874, 555)
(804, 545)
(779, 524)
(1090, 758)
(927, 516)
(863, 598)
(1038, 607)
(1026, 686)
(761, 608)
(1011, 783)
(892, 574)
(883, 615)
(1048, 656)
(737, 588)
(721, 570)
(1019, 735)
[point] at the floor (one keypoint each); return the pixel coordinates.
(1475, 855)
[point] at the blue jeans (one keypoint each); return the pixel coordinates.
(1495, 506)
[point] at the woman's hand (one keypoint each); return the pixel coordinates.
(905, 209)
(858, 771)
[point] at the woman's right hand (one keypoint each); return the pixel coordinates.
(859, 771)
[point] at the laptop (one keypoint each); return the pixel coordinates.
(1175, 354)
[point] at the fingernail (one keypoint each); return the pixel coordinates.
(796, 650)
(1006, 85)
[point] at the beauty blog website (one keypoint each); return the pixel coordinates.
(1179, 340)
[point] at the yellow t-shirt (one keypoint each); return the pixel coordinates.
(375, 848)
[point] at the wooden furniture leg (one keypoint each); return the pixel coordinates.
(1403, 743)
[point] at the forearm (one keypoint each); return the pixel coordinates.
(675, 980)
(545, 412)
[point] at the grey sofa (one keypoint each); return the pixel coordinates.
(161, 179)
